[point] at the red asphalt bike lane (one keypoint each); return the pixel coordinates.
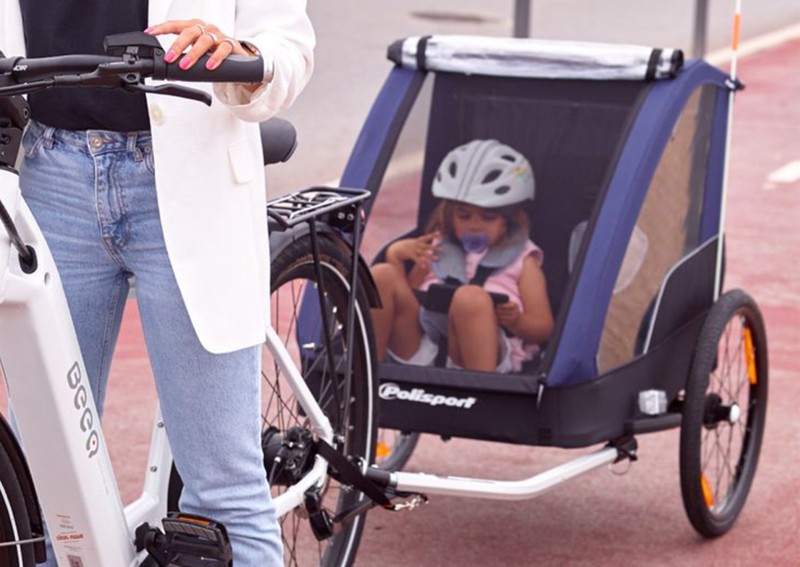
(599, 519)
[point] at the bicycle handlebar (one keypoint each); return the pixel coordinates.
(132, 58)
(22, 70)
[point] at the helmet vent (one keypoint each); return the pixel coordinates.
(502, 190)
(453, 169)
(507, 157)
(492, 176)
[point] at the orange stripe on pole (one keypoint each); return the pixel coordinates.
(737, 23)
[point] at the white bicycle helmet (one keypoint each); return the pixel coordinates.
(484, 173)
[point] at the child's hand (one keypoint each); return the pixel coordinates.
(422, 250)
(508, 315)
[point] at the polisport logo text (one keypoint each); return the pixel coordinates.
(391, 391)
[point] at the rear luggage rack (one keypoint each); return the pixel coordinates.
(337, 206)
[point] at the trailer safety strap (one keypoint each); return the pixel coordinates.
(422, 45)
(652, 64)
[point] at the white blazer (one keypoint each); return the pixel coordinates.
(209, 177)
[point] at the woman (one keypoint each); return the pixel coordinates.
(171, 192)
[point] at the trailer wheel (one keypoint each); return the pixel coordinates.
(394, 448)
(723, 414)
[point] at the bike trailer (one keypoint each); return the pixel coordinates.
(627, 147)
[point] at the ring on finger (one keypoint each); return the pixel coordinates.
(213, 37)
(201, 28)
(230, 41)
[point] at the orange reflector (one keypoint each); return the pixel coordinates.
(750, 356)
(382, 450)
(737, 26)
(708, 496)
(201, 521)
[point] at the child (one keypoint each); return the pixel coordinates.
(479, 231)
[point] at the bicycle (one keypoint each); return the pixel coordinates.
(319, 411)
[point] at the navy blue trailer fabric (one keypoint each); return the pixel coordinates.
(575, 358)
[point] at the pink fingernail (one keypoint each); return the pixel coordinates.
(211, 64)
(185, 62)
(149, 30)
(170, 56)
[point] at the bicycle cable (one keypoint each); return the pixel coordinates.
(20, 542)
(26, 254)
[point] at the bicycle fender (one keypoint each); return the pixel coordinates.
(20, 464)
(280, 239)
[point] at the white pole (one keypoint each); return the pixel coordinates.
(737, 19)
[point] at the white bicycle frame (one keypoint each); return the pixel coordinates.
(57, 418)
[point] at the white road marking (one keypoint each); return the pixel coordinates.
(789, 173)
(756, 44)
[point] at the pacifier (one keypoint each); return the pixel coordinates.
(474, 243)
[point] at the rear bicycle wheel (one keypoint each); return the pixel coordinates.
(14, 521)
(350, 406)
(723, 415)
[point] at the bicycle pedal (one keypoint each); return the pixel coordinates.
(187, 541)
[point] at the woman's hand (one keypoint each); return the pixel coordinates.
(201, 38)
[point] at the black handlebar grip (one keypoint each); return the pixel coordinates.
(234, 69)
(24, 70)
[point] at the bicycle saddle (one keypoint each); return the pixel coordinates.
(278, 140)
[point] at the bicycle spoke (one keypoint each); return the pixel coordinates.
(320, 362)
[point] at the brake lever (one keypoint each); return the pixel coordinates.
(171, 90)
(132, 82)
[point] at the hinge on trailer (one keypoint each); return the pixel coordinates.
(626, 448)
(734, 84)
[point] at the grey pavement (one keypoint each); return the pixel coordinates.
(353, 36)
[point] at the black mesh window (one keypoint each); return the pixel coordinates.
(570, 131)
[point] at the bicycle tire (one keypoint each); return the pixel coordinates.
(724, 414)
(14, 521)
(292, 270)
(395, 448)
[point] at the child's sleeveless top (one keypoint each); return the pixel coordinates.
(506, 261)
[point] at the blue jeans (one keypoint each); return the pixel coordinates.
(93, 194)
